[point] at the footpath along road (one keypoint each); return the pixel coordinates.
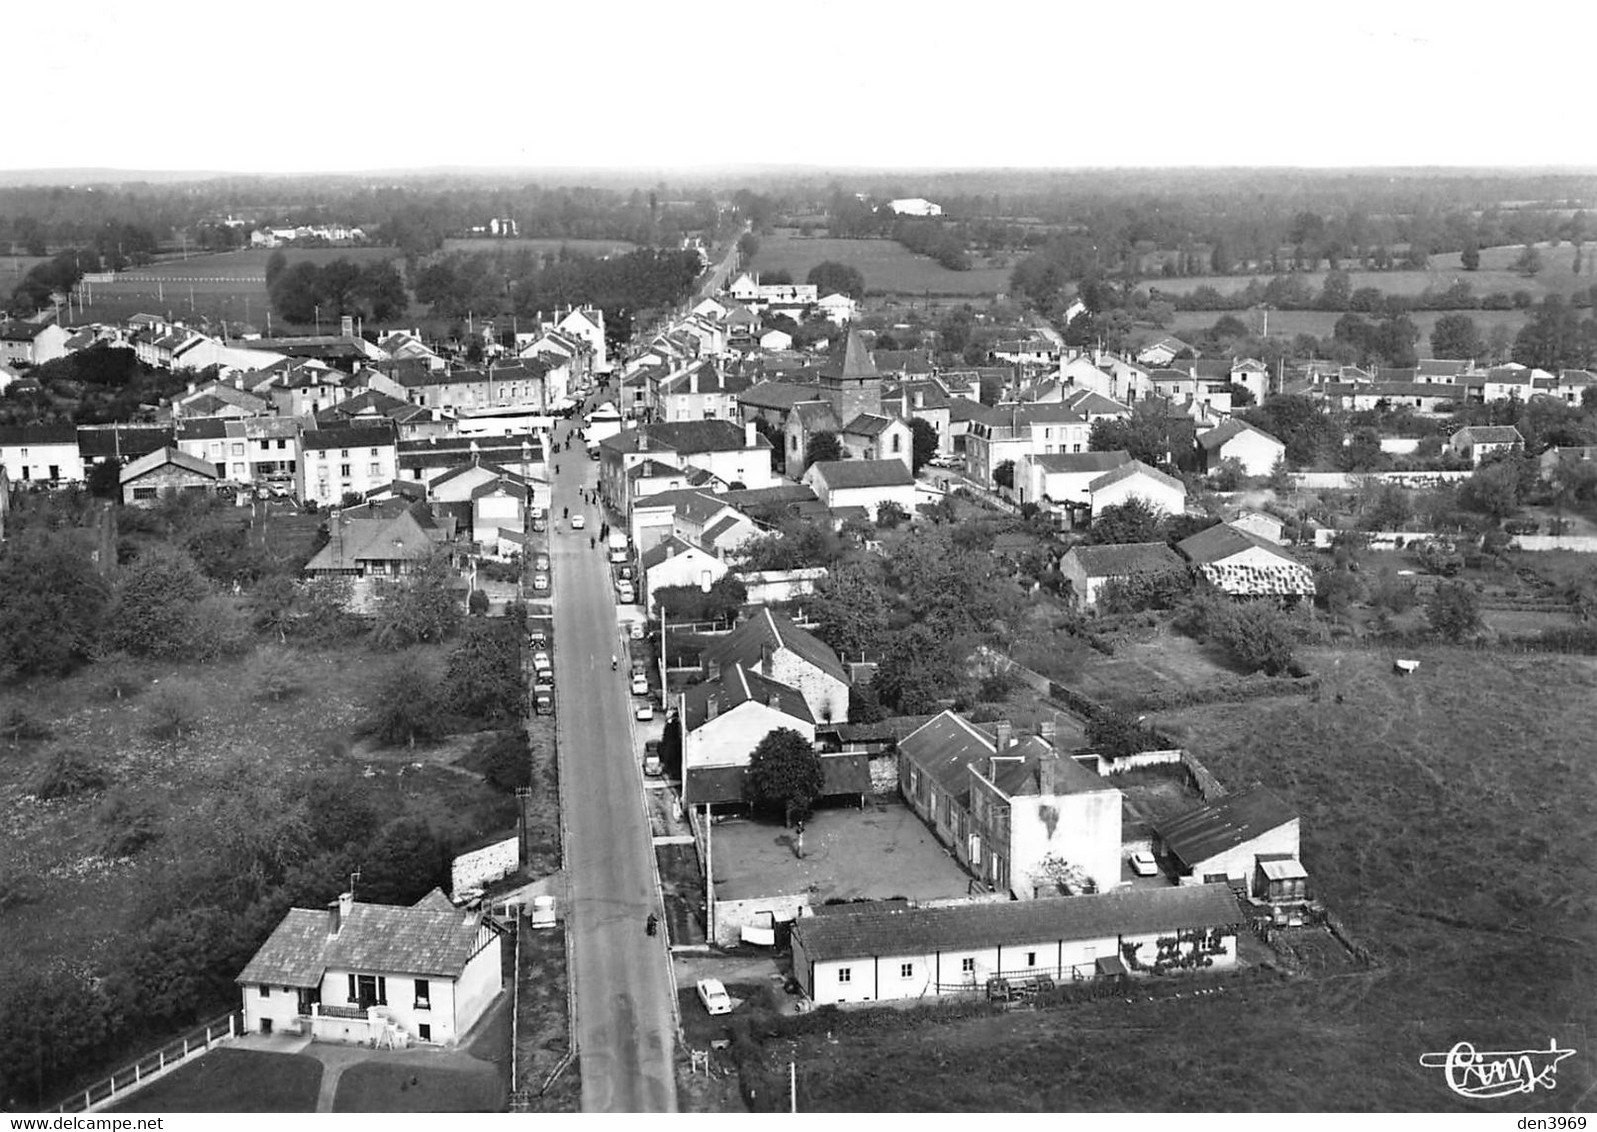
(621, 975)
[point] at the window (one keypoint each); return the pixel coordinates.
(423, 995)
(376, 468)
(344, 453)
(374, 451)
(282, 444)
(424, 1032)
(343, 470)
(968, 965)
(1031, 958)
(238, 449)
(906, 970)
(266, 991)
(845, 974)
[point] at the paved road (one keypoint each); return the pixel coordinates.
(622, 980)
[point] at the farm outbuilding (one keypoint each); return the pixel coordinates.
(1242, 839)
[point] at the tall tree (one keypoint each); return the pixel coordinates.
(823, 446)
(52, 603)
(784, 771)
(923, 443)
(424, 606)
(831, 277)
(1455, 336)
(849, 609)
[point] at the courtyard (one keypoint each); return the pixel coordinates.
(876, 853)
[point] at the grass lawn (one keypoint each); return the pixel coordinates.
(1168, 660)
(234, 1080)
(409, 1086)
(1322, 323)
(540, 246)
(886, 265)
(1447, 819)
(543, 1033)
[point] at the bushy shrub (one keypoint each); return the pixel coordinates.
(275, 674)
(19, 725)
(118, 677)
(69, 771)
(126, 824)
(504, 759)
(173, 710)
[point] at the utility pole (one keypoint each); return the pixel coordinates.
(709, 866)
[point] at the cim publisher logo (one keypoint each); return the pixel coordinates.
(1484, 1074)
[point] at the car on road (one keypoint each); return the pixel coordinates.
(714, 997)
(645, 711)
(540, 582)
(537, 640)
(640, 684)
(579, 522)
(1143, 864)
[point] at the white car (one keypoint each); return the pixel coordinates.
(579, 522)
(640, 684)
(714, 997)
(540, 660)
(635, 631)
(1143, 864)
(645, 711)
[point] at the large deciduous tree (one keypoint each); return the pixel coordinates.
(1453, 611)
(823, 446)
(405, 705)
(1135, 520)
(1456, 336)
(52, 603)
(784, 771)
(849, 609)
(424, 606)
(831, 277)
(922, 443)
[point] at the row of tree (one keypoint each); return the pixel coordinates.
(304, 292)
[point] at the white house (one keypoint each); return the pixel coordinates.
(1088, 568)
(1224, 840)
(1063, 477)
(1164, 493)
(41, 454)
(1476, 442)
(1237, 439)
(772, 646)
(1242, 564)
(890, 950)
(862, 483)
(334, 462)
(838, 308)
(677, 562)
(776, 340)
(374, 973)
(914, 206)
(724, 719)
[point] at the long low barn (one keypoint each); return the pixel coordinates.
(894, 950)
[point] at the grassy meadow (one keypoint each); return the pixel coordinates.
(888, 267)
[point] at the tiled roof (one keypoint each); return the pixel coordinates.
(891, 928)
(1200, 834)
(1121, 559)
(1215, 438)
(419, 941)
(948, 745)
(1489, 434)
(844, 474)
(740, 684)
(842, 774)
(355, 436)
(768, 496)
(161, 457)
(868, 424)
(744, 645)
(11, 435)
(687, 438)
(96, 443)
(1090, 404)
(1221, 541)
(1081, 461)
(817, 416)
(1136, 468)
(666, 548)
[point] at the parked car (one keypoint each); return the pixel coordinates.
(1143, 864)
(635, 630)
(544, 703)
(645, 711)
(579, 522)
(651, 759)
(539, 524)
(540, 582)
(540, 563)
(714, 997)
(640, 684)
(537, 639)
(541, 660)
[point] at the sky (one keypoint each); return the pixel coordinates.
(349, 85)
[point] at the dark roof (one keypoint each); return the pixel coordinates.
(38, 434)
(202, 428)
(1135, 468)
(1380, 389)
(1221, 541)
(685, 437)
(740, 685)
(868, 424)
(668, 547)
(902, 361)
(852, 361)
(354, 436)
(1197, 835)
(1081, 461)
(745, 645)
(96, 443)
(1119, 560)
(843, 774)
(1217, 437)
(781, 395)
(948, 745)
(162, 457)
(842, 474)
(767, 496)
(423, 940)
(891, 928)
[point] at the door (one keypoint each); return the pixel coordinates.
(366, 991)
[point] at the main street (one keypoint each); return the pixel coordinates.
(621, 975)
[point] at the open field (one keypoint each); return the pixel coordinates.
(540, 246)
(1494, 274)
(1168, 661)
(1321, 323)
(411, 1085)
(886, 265)
(234, 1080)
(1446, 818)
(13, 268)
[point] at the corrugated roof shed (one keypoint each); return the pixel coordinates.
(1234, 820)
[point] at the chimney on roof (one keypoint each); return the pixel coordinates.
(712, 707)
(750, 434)
(774, 701)
(335, 916)
(1045, 729)
(643, 438)
(1003, 735)
(1047, 765)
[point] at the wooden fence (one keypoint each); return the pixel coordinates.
(155, 1064)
